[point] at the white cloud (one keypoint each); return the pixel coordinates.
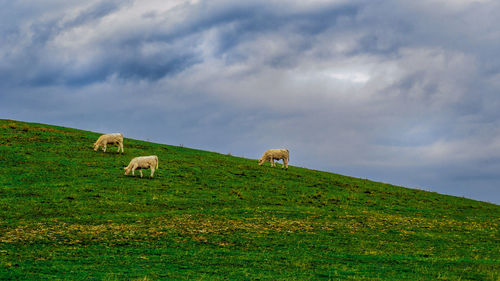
(353, 77)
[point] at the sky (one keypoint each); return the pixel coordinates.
(402, 92)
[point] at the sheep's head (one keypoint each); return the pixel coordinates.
(127, 171)
(261, 161)
(96, 146)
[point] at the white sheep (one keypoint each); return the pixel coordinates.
(275, 154)
(106, 139)
(142, 162)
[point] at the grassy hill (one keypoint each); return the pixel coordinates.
(67, 212)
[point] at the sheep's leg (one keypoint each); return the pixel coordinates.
(272, 163)
(121, 145)
(118, 151)
(133, 169)
(285, 162)
(105, 145)
(140, 170)
(152, 171)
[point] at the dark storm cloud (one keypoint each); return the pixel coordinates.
(95, 12)
(398, 91)
(249, 23)
(121, 54)
(38, 62)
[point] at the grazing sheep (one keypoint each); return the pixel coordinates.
(106, 139)
(142, 162)
(275, 154)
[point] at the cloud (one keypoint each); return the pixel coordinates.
(141, 41)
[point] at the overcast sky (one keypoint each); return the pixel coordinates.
(404, 92)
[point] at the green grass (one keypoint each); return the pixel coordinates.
(69, 213)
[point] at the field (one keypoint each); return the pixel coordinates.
(69, 213)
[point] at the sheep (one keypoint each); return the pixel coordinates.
(106, 139)
(142, 162)
(275, 154)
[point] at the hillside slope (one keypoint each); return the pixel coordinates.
(67, 212)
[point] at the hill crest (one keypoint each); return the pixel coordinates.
(208, 216)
